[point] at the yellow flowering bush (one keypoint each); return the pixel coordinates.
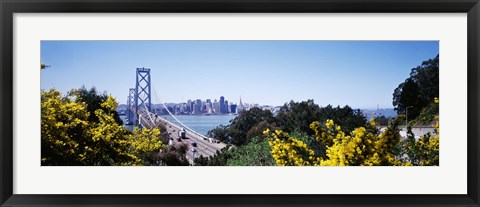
(325, 135)
(288, 151)
(62, 123)
(69, 137)
(364, 146)
(145, 141)
(425, 150)
(354, 149)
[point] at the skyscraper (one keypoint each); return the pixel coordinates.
(198, 107)
(189, 106)
(209, 107)
(240, 106)
(233, 108)
(222, 105)
(216, 107)
(226, 107)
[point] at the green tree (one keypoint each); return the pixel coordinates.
(426, 116)
(245, 121)
(419, 89)
(297, 116)
(257, 130)
(219, 159)
(345, 116)
(220, 133)
(93, 100)
(173, 155)
(255, 153)
(408, 97)
(240, 126)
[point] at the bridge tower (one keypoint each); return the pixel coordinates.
(142, 96)
(130, 101)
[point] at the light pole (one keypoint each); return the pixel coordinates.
(194, 149)
(406, 115)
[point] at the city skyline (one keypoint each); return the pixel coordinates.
(208, 106)
(361, 74)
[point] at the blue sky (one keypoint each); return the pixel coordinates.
(361, 74)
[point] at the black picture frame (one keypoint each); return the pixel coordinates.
(10, 7)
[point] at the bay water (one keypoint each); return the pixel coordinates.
(200, 124)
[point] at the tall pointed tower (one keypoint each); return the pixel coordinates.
(240, 105)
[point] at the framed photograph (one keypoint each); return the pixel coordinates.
(239, 103)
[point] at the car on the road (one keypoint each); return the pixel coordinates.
(181, 134)
(194, 144)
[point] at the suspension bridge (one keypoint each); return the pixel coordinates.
(139, 113)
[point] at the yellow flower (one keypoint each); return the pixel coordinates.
(329, 123)
(372, 122)
(266, 132)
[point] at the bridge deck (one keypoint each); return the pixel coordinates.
(205, 146)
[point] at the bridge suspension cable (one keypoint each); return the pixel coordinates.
(175, 118)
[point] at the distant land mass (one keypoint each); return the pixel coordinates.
(387, 112)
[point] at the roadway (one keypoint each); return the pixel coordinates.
(205, 146)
